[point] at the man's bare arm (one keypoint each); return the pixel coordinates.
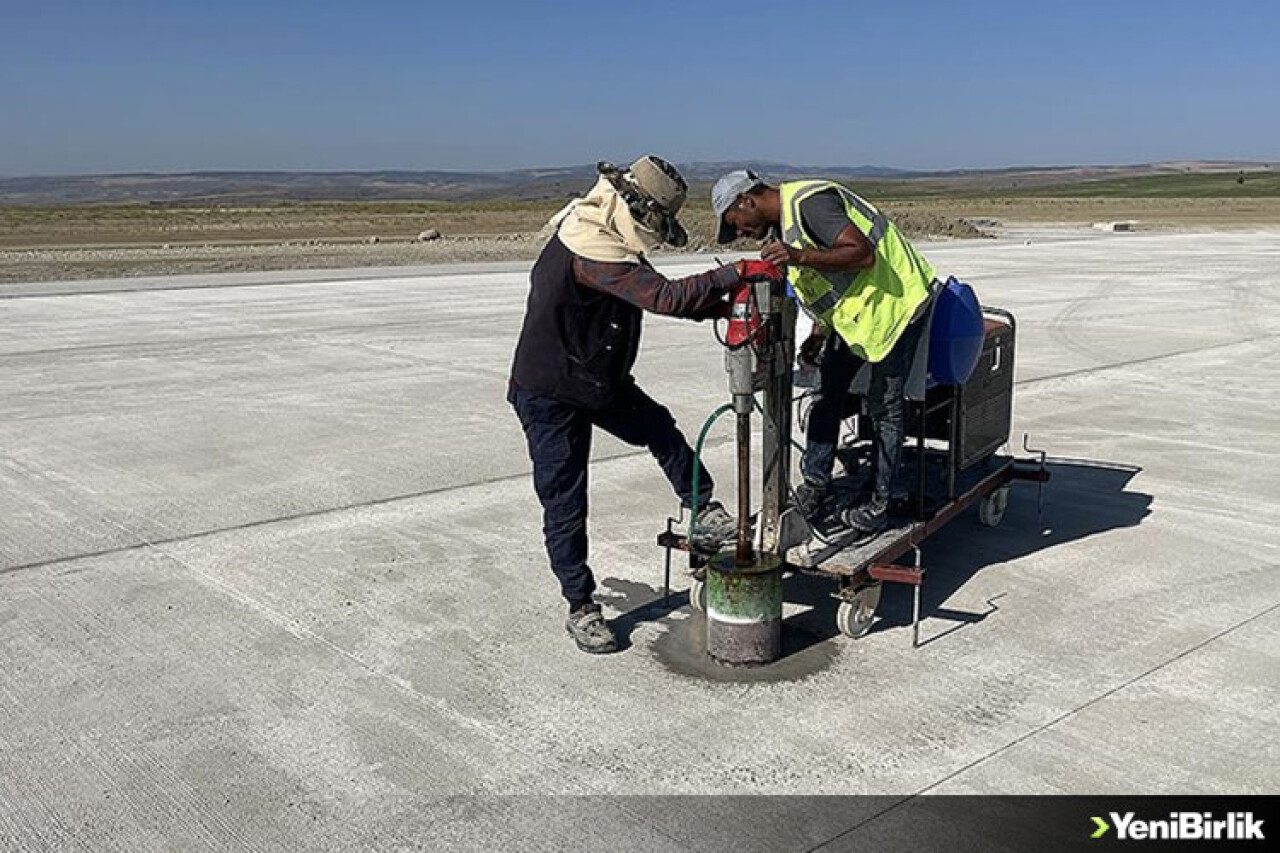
(850, 253)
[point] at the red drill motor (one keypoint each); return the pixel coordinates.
(746, 324)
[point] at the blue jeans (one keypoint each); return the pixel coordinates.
(559, 438)
(886, 406)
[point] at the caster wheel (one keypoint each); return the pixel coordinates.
(991, 510)
(856, 613)
(698, 595)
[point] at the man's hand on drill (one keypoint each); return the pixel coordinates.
(758, 271)
(748, 271)
(779, 254)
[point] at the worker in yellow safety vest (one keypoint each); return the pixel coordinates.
(868, 291)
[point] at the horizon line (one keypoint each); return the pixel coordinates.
(687, 163)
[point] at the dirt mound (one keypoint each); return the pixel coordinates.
(920, 223)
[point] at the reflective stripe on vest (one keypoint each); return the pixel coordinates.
(869, 308)
(794, 235)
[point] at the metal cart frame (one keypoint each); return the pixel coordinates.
(861, 566)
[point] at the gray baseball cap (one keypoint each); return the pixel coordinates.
(725, 193)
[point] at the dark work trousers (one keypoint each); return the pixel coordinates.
(559, 436)
(886, 406)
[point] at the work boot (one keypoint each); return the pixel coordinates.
(809, 499)
(589, 630)
(870, 517)
(713, 528)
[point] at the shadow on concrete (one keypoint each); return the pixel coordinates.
(1084, 498)
(623, 593)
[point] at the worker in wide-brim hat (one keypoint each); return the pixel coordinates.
(869, 292)
(572, 368)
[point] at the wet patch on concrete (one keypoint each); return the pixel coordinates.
(682, 648)
(682, 645)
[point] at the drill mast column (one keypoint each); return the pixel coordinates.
(744, 586)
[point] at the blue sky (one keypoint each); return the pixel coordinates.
(226, 84)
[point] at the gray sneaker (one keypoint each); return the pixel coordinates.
(810, 498)
(589, 630)
(713, 528)
(870, 517)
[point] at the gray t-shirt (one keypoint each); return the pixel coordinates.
(824, 217)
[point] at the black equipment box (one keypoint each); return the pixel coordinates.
(975, 418)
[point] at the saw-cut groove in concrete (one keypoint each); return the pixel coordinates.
(315, 513)
(1085, 371)
(428, 492)
(1053, 722)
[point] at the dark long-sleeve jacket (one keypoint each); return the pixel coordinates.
(697, 297)
(582, 324)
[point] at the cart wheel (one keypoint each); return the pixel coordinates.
(856, 613)
(698, 595)
(991, 510)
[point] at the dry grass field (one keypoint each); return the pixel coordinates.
(88, 240)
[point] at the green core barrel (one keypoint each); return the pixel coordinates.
(744, 609)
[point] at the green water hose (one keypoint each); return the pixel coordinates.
(697, 459)
(697, 464)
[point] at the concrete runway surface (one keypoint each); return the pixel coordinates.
(271, 570)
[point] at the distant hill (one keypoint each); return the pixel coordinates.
(522, 184)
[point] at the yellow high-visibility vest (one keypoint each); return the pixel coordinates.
(869, 308)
